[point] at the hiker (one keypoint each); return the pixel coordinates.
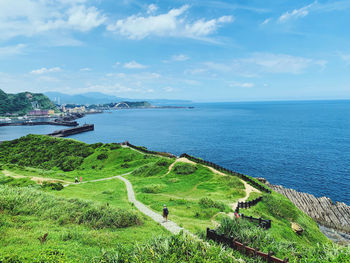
(76, 180)
(81, 179)
(165, 213)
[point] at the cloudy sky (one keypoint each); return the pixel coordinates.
(203, 50)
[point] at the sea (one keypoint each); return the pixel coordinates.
(304, 145)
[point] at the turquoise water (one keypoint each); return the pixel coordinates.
(301, 145)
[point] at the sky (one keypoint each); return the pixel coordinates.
(200, 50)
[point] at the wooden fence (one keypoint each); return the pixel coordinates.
(232, 243)
(264, 223)
(248, 204)
(222, 169)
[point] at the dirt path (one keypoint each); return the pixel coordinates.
(36, 179)
(97, 180)
(169, 225)
(182, 159)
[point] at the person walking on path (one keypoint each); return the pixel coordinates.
(76, 180)
(165, 213)
(81, 179)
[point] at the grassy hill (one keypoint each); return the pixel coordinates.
(21, 103)
(94, 222)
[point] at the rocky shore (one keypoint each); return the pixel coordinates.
(322, 210)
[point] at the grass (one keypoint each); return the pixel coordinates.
(29, 201)
(246, 232)
(282, 212)
(183, 189)
(94, 222)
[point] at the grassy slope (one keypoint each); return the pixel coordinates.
(181, 192)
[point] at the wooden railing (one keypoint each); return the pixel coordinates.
(264, 223)
(222, 169)
(232, 243)
(248, 204)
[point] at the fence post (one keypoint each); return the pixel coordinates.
(269, 257)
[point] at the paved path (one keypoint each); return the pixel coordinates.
(97, 180)
(170, 226)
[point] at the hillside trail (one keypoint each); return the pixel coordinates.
(248, 188)
(97, 180)
(169, 225)
(36, 179)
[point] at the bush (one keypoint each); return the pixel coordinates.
(152, 189)
(102, 156)
(209, 203)
(52, 186)
(184, 168)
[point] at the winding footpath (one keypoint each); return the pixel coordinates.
(169, 225)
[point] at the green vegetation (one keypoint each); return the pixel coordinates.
(28, 201)
(296, 250)
(21, 103)
(94, 222)
(66, 155)
(183, 188)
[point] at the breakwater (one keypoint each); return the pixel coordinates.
(72, 131)
(322, 209)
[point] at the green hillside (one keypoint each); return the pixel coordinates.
(21, 103)
(95, 222)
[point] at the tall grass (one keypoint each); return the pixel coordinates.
(177, 248)
(246, 232)
(28, 201)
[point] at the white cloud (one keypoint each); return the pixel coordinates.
(111, 89)
(168, 89)
(344, 57)
(11, 50)
(242, 84)
(85, 69)
(180, 57)
(266, 21)
(172, 24)
(46, 70)
(296, 13)
(29, 18)
(152, 8)
(261, 63)
(134, 65)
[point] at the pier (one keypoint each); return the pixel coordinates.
(72, 131)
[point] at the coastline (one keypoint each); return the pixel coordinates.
(333, 218)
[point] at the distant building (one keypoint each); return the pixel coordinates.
(40, 112)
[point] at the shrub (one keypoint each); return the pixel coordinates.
(52, 186)
(209, 203)
(184, 168)
(102, 156)
(152, 189)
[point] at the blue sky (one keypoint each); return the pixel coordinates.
(202, 50)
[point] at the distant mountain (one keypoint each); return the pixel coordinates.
(86, 98)
(101, 98)
(23, 102)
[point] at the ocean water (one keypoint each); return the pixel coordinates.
(300, 145)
